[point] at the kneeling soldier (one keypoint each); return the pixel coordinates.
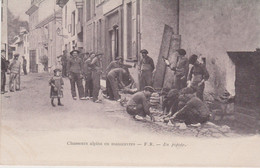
(138, 106)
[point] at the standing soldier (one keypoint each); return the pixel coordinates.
(4, 67)
(198, 75)
(95, 64)
(24, 66)
(64, 63)
(75, 74)
(146, 70)
(14, 68)
(181, 70)
(88, 77)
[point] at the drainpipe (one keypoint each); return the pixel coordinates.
(178, 16)
(138, 20)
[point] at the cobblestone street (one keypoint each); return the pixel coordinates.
(29, 123)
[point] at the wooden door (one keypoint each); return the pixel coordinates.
(33, 65)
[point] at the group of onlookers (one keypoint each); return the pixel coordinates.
(87, 66)
(14, 68)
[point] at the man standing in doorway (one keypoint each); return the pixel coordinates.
(197, 76)
(24, 66)
(146, 69)
(14, 68)
(75, 74)
(4, 67)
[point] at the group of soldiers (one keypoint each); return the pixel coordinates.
(87, 66)
(184, 101)
(14, 69)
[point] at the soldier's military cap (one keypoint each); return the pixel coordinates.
(144, 51)
(149, 88)
(16, 55)
(193, 58)
(181, 51)
(77, 51)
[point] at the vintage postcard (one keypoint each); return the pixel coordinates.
(130, 83)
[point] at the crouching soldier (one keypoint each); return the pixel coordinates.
(191, 110)
(170, 102)
(138, 106)
(115, 78)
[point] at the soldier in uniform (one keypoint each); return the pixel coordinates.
(24, 66)
(4, 67)
(64, 60)
(14, 68)
(193, 110)
(139, 106)
(146, 69)
(181, 70)
(88, 77)
(75, 74)
(197, 76)
(114, 64)
(115, 78)
(95, 64)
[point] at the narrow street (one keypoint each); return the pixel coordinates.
(35, 132)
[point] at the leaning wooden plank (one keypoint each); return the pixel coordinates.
(158, 77)
(169, 74)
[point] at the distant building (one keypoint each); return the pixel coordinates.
(4, 39)
(21, 45)
(44, 42)
(117, 27)
(72, 24)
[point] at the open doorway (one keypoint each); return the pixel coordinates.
(114, 42)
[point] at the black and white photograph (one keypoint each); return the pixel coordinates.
(130, 83)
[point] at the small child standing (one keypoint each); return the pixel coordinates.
(56, 84)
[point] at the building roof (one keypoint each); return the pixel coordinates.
(32, 9)
(49, 19)
(61, 3)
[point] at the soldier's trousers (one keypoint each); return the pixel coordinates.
(179, 83)
(200, 91)
(114, 87)
(64, 70)
(96, 84)
(145, 79)
(24, 70)
(75, 79)
(14, 81)
(3, 81)
(135, 110)
(88, 86)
